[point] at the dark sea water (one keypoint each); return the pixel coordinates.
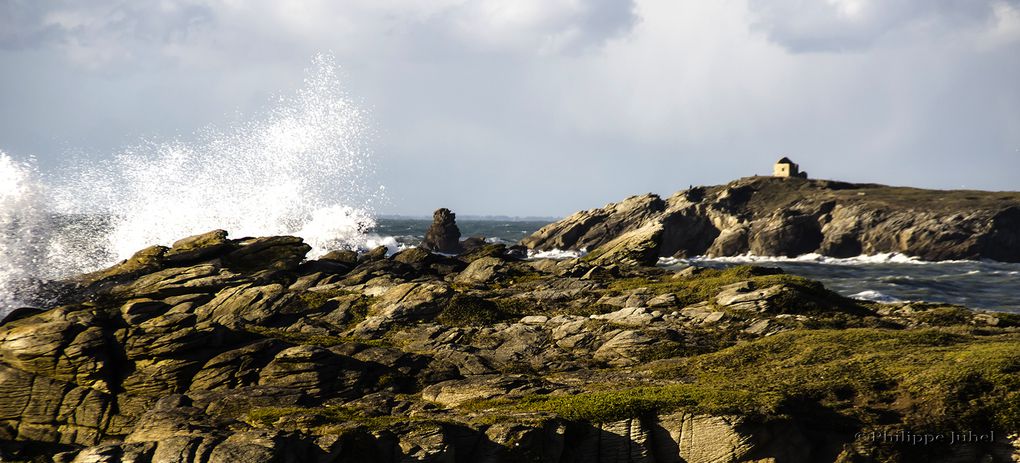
(884, 278)
(410, 231)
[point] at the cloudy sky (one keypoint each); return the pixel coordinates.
(543, 107)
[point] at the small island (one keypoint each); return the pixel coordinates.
(789, 215)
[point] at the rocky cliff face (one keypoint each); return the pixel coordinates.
(792, 216)
(219, 350)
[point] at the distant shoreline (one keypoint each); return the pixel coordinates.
(473, 217)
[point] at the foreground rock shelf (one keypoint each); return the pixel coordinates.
(219, 350)
(770, 216)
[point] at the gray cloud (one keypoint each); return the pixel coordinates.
(97, 34)
(847, 25)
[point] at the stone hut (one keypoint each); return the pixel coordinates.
(787, 168)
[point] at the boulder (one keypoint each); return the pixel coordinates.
(624, 348)
(443, 235)
(198, 247)
(633, 316)
(639, 247)
(484, 270)
(269, 253)
(343, 256)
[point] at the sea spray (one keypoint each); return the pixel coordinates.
(303, 167)
(22, 230)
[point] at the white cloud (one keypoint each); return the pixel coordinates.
(109, 33)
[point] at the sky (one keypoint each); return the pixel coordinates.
(542, 107)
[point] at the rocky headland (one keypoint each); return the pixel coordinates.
(222, 350)
(773, 216)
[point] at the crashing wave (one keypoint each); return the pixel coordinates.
(302, 168)
(558, 254)
(875, 296)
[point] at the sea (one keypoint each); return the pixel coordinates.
(987, 285)
(304, 166)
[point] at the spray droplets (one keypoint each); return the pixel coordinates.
(301, 168)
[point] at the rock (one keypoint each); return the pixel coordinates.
(730, 242)
(624, 348)
(414, 256)
(596, 227)
(713, 317)
(635, 248)
(424, 261)
(324, 267)
(688, 272)
(144, 261)
(663, 300)
(472, 243)
(697, 312)
(312, 370)
(375, 254)
(759, 328)
(709, 439)
(786, 235)
(19, 313)
(272, 253)
(137, 311)
(443, 235)
(404, 303)
(496, 250)
(484, 270)
(343, 256)
(534, 320)
(240, 305)
(198, 247)
(599, 272)
(634, 316)
(201, 278)
(457, 392)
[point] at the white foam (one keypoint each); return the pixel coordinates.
(558, 254)
(22, 248)
(392, 245)
(871, 295)
(881, 258)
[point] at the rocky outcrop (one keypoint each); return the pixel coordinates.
(443, 235)
(794, 216)
(221, 350)
(636, 247)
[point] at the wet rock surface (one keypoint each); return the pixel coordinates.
(220, 350)
(772, 216)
